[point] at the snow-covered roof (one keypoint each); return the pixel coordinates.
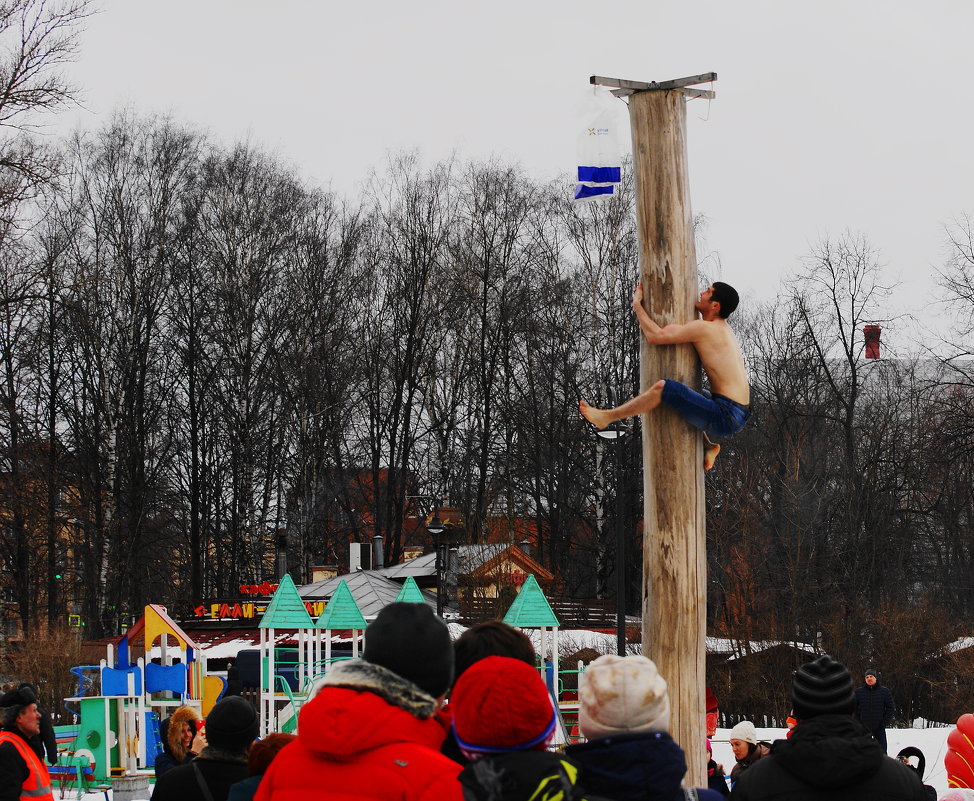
(467, 559)
(371, 590)
(424, 565)
(470, 557)
(959, 645)
(735, 649)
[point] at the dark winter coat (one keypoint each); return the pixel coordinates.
(874, 706)
(219, 770)
(368, 733)
(754, 753)
(633, 767)
(244, 791)
(165, 763)
(234, 684)
(170, 731)
(828, 758)
(520, 776)
(716, 779)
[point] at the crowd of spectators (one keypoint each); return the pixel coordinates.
(419, 717)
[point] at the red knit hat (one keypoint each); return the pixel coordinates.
(501, 704)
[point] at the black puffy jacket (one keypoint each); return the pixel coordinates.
(828, 758)
(217, 769)
(874, 706)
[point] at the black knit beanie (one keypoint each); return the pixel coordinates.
(822, 687)
(232, 724)
(412, 642)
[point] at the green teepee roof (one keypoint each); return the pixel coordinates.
(410, 592)
(530, 609)
(286, 609)
(341, 612)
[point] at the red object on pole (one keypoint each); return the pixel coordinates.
(871, 333)
(712, 712)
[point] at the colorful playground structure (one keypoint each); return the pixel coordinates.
(122, 700)
(118, 732)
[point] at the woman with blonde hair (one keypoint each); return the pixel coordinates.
(181, 741)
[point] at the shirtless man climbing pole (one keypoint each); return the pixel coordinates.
(720, 414)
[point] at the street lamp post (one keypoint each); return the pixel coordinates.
(612, 434)
(436, 528)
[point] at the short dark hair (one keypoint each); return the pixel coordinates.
(491, 638)
(726, 296)
(262, 752)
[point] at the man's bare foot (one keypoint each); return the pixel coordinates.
(599, 418)
(711, 449)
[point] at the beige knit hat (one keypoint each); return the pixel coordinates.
(620, 695)
(744, 731)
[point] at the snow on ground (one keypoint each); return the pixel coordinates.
(933, 743)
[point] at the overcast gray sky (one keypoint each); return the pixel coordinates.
(829, 115)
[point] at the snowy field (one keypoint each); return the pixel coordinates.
(933, 743)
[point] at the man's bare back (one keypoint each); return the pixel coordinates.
(720, 355)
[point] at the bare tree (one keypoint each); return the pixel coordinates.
(412, 211)
(38, 38)
(957, 279)
(321, 372)
(19, 298)
(250, 216)
(492, 255)
(127, 187)
(603, 244)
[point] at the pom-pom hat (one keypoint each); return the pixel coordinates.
(620, 695)
(501, 704)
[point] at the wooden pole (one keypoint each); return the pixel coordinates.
(674, 538)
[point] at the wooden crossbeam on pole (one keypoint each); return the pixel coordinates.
(686, 90)
(646, 86)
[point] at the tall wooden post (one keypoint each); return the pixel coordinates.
(674, 533)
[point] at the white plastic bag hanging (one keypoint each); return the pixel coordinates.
(599, 158)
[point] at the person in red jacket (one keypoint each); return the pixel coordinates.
(373, 728)
(23, 774)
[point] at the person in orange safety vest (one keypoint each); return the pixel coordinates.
(23, 774)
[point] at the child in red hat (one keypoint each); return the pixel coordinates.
(504, 720)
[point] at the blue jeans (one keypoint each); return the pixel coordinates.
(715, 415)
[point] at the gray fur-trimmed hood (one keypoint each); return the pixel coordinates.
(357, 674)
